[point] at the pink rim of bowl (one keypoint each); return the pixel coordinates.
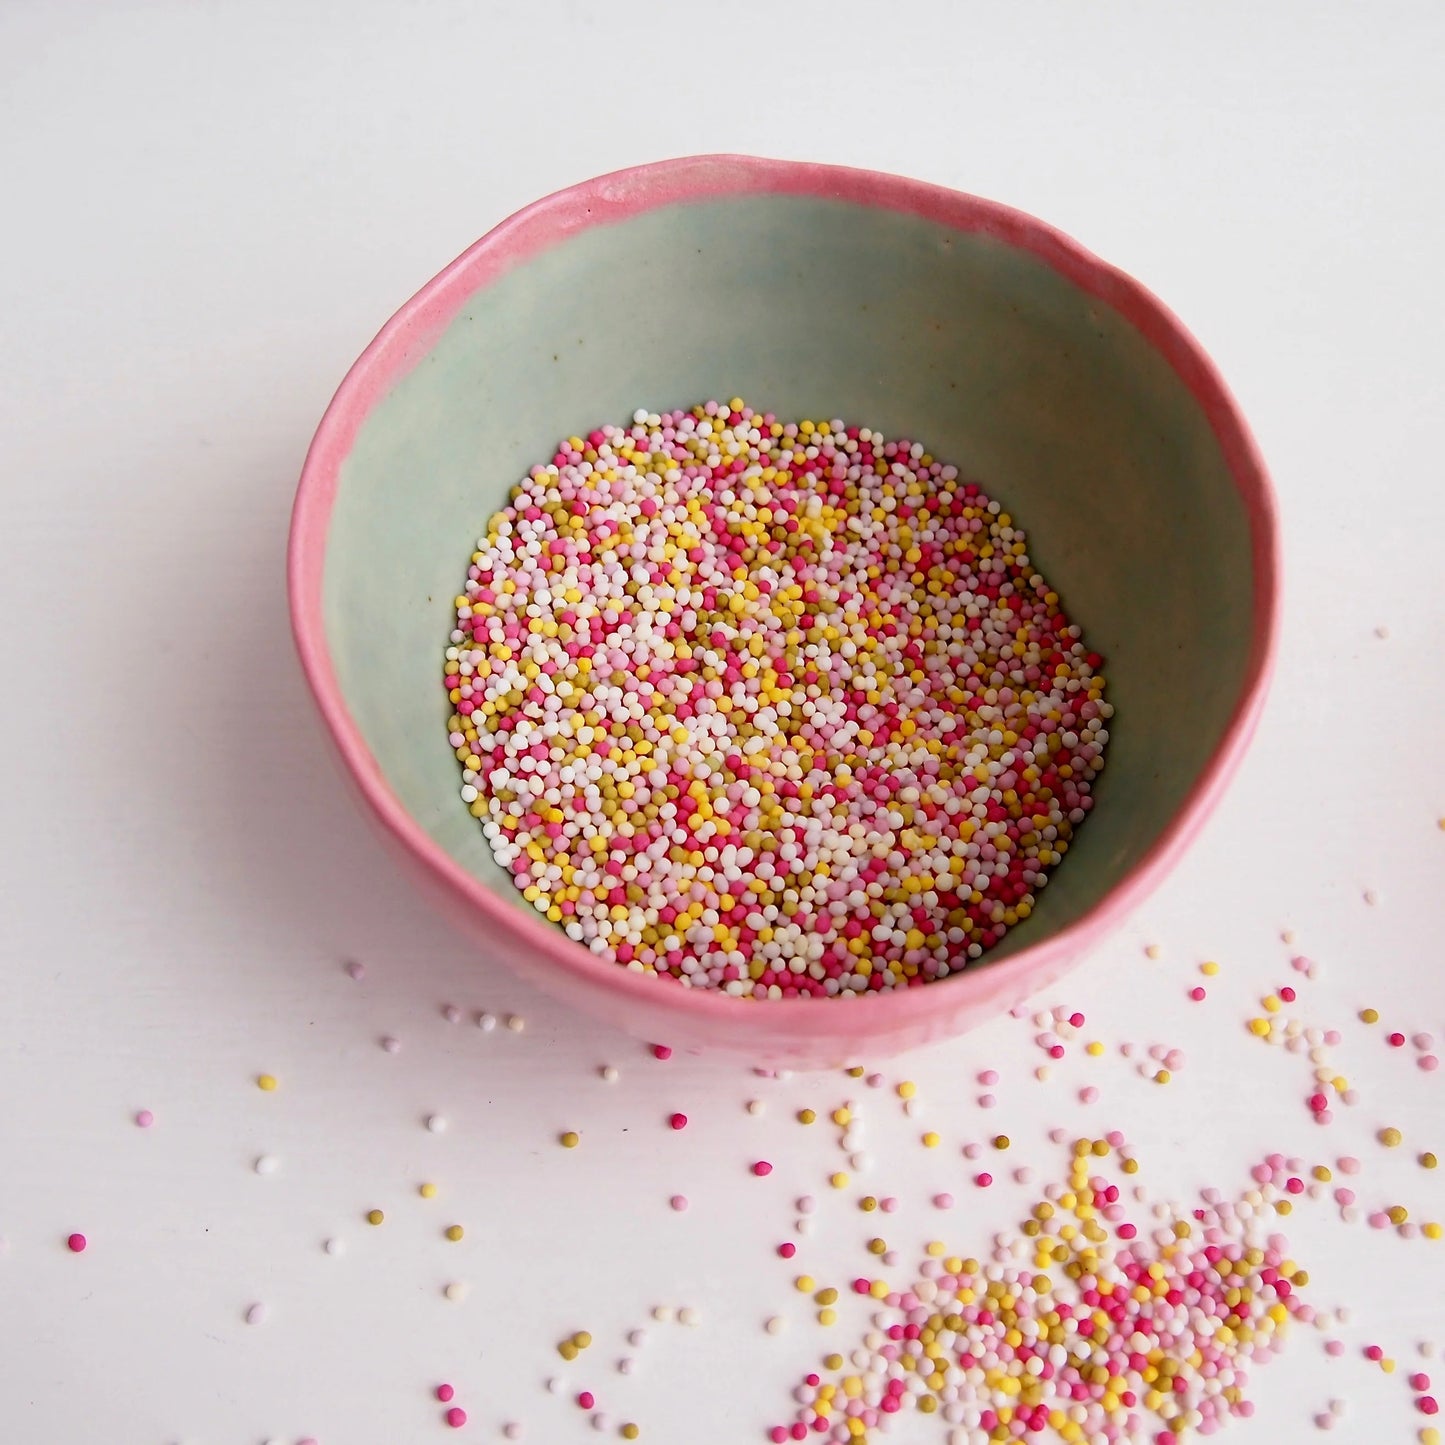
(783, 1032)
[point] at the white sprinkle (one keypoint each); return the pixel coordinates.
(455, 1291)
(436, 1124)
(1382, 631)
(775, 1324)
(638, 1337)
(756, 1106)
(512, 1430)
(1153, 951)
(452, 1014)
(256, 1315)
(662, 1313)
(554, 1385)
(390, 1044)
(688, 1316)
(267, 1164)
(609, 1073)
(600, 1421)
(335, 1246)
(1371, 897)
(486, 1022)
(626, 1365)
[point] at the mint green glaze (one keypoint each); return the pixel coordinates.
(814, 308)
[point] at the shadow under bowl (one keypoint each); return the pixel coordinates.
(1055, 381)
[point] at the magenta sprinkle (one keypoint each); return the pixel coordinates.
(456, 1417)
(661, 1051)
(76, 1243)
(678, 1121)
(586, 1399)
(445, 1394)
(144, 1119)
(762, 1168)
(788, 1250)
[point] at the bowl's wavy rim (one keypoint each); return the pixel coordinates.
(409, 334)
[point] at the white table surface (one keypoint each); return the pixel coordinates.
(209, 209)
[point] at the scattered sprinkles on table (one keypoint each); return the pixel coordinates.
(782, 710)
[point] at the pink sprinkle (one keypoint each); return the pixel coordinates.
(678, 1202)
(586, 1400)
(1348, 1164)
(445, 1394)
(678, 1121)
(988, 1078)
(1424, 1041)
(1419, 1381)
(762, 1168)
(1088, 1095)
(357, 970)
(983, 1180)
(972, 1150)
(1428, 1062)
(1379, 1220)
(456, 1417)
(144, 1119)
(787, 1250)
(888, 1204)
(943, 1201)
(1427, 1405)
(76, 1243)
(661, 1051)
(1301, 964)
(1334, 1348)
(986, 1101)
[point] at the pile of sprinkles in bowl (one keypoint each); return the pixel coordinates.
(781, 710)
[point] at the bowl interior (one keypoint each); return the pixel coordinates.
(813, 307)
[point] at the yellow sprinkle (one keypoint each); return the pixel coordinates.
(1390, 1138)
(1388, 1365)
(570, 1139)
(827, 1317)
(455, 1232)
(804, 1284)
(826, 1296)
(868, 1204)
(629, 1431)
(1431, 1230)
(841, 1117)
(1209, 969)
(1429, 1435)
(1428, 1160)
(1000, 1141)
(806, 1116)
(266, 1082)
(1271, 1003)
(567, 1350)
(1369, 1016)
(427, 1191)
(1162, 1077)
(839, 1180)
(374, 1216)
(907, 1089)
(1261, 1028)
(582, 1339)
(1398, 1214)
(1094, 1049)
(930, 1140)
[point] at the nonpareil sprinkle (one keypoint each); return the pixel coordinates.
(781, 710)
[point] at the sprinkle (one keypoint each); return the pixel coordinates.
(1088, 1095)
(943, 1201)
(986, 1101)
(629, 1431)
(983, 1180)
(930, 1140)
(266, 1082)
(586, 1400)
(456, 1291)
(456, 1417)
(335, 1247)
(427, 1191)
(661, 1051)
(570, 1139)
(266, 1164)
(806, 1116)
(1371, 897)
(256, 1315)
(512, 1430)
(486, 1022)
(687, 1315)
(775, 1324)
(1390, 1138)
(436, 1124)
(1197, 994)
(144, 1119)
(762, 1168)
(455, 1232)
(838, 1180)
(76, 1243)
(452, 1014)
(1428, 1062)
(1000, 1141)
(390, 1044)
(1369, 1016)
(756, 1106)
(445, 1394)
(516, 1023)
(375, 1216)
(907, 1089)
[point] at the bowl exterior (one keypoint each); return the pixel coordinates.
(782, 1033)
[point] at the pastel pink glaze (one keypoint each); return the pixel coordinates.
(794, 1032)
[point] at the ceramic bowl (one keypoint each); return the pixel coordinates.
(1057, 382)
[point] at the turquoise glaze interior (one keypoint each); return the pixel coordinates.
(815, 308)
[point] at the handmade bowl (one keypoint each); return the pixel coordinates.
(1054, 380)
